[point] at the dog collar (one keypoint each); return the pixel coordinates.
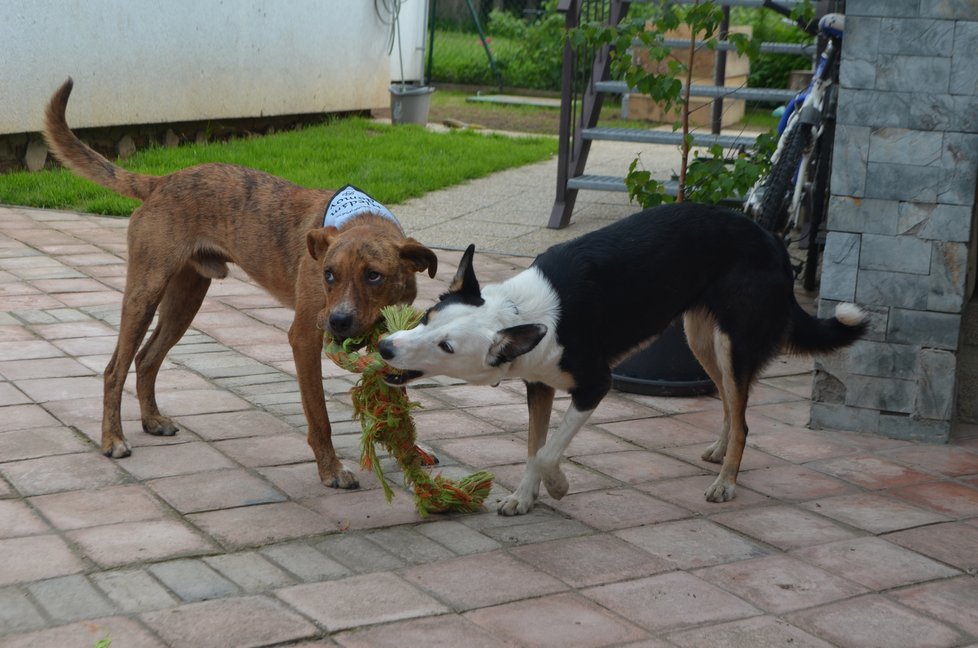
(350, 202)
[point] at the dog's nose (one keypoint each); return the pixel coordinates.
(386, 349)
(340, 323)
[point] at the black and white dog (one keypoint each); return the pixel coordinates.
(585, 305)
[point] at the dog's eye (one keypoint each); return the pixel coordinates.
(446, 347)
(374, 277)
(329, 276)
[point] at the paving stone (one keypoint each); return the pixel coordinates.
(500, 578)
(539, 531)
(871, 621)
(951, 601)
(409, 545)
(618, 508)
(591, 560)
(874, 512)
(339, 605)
(17, 519)
(249, 526)
(121, 631)
(85, 508)
(115, 545)
(946, 498)
(244, 622)
(692, 543)
(444, 630)
(133, 590)
(80, 471)
(355, 553)
(193, 580)
(780, 584)
(874, 563)
(180, 459)
(670, 602)
(457, 537)
(39, 442)
(952, 543)
(70, 598)
(873, 472)
(305, 562)
(271, 450)
(250, 571)
(32, 558)
(217, 489)
(784, 527)
(572, 620)
(756, 632)
(17, 613)
(365, 509)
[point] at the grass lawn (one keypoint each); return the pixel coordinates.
(392, 163)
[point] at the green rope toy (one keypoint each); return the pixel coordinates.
(385, 418)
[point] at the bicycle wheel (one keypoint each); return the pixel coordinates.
(817, 201)
(773, 212)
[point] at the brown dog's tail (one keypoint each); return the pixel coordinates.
(82, 160)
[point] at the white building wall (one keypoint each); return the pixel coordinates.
(154, 61)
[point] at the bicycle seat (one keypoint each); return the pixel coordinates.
(832, 25)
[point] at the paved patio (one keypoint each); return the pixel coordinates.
(223, 536)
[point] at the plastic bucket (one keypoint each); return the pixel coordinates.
(409, 104)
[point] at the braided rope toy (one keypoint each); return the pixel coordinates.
(384, 412)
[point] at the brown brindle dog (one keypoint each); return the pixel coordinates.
(192, 223)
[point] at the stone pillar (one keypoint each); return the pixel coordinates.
(901, 216)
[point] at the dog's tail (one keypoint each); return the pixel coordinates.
(811, 335)
(82, 160)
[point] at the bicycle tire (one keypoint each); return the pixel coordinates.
(773, 212)
(819, 198)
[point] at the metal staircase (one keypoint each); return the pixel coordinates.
(585, 83)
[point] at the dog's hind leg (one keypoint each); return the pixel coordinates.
(734, 393)
(144, 289)
(545, 466)
(700, 328)
(177, 309)
(539, 402)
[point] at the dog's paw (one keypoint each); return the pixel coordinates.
(119, 449)
(714, 453)
(720, 491)
(159, 426)
(555, 481)
(515, 505)
(342, 478)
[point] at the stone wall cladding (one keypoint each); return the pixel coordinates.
(901, 220)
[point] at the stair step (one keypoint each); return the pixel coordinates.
(701, 140)
(610, 183)
(748, 94)
(615, 183)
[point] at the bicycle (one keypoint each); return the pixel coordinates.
(794, 192)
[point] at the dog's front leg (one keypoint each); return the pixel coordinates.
(306, 341)
(545, 466)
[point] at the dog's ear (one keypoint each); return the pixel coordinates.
(422, 258)
(465, 281)
(510, 343)
(318, 240)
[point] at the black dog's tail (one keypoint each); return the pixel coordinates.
(820, 335)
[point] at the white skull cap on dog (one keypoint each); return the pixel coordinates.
(350, 202)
